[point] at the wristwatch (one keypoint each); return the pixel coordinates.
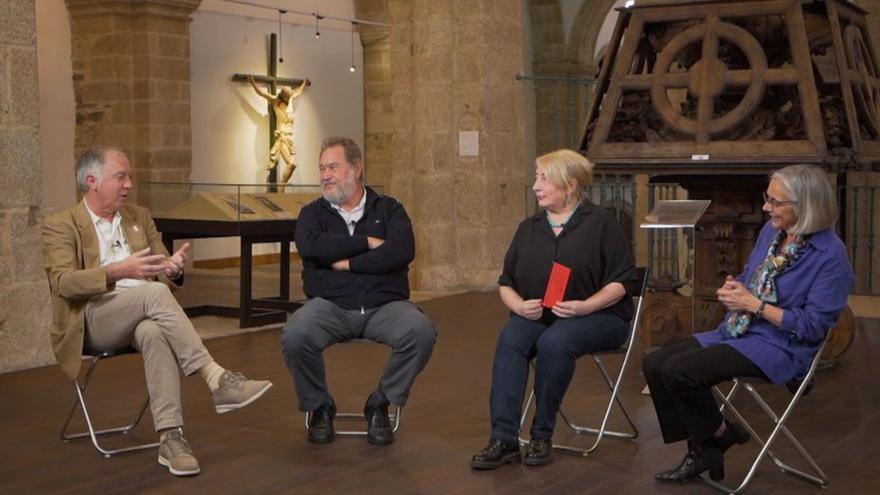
(760, 312)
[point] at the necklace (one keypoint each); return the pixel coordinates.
(559, 225)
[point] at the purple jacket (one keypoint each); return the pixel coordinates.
(812, 292)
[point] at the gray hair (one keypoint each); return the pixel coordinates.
(91, 163)
(352, 151)
(816, 208)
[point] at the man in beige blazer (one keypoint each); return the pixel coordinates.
(110, 275)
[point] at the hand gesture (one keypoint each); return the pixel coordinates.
(570, 309)
(531, 309)
(174, 264)
(736, 297)
(141, 265)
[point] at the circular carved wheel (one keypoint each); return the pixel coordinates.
(867, 85)
(709, 77)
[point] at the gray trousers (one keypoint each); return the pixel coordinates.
(149, 319)
(321, 323)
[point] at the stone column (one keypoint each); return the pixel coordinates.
(131, 71)
(378, 116)
(24, 292)
(453, 68)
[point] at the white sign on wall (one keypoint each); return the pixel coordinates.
(468, 143)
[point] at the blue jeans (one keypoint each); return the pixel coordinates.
(556, 348)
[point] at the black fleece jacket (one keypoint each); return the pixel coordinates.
(376, 276)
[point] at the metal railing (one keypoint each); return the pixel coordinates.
(859, 228)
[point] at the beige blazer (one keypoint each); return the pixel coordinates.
(72, 259)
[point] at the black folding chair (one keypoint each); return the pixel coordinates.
(613, 387)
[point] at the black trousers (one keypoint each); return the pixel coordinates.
(680, 377)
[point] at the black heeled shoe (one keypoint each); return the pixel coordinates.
(698, 460)
(734, 433)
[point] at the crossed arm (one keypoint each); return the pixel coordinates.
(358, 253)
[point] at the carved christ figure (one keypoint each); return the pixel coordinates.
(284, 146)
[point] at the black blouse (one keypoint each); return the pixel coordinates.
(592, 244)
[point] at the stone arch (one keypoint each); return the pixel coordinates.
(548, 36)
(585, 31)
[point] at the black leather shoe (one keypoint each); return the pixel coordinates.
(695, 462)
(734, 433)
(321, 424)
(496, 454)
(539, 452)
(379, 430)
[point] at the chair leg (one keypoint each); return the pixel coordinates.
(601, 431)
(92, 433)
(394, 417)
(820, 479)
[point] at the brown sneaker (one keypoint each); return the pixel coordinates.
(236, 391)
(176, 454)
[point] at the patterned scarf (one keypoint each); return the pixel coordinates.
(763, 282)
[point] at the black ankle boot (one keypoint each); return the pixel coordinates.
(539, 452)
(734, 433)
(496, 454)
(674, 474)
(707, 457)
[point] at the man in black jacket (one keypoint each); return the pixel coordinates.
(355, 246)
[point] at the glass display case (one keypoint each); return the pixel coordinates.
(255, 214)
(671, 217)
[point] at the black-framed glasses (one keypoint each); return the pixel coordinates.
(776, 202)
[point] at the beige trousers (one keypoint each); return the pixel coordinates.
(149, 319)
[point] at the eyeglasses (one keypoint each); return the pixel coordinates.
(776, 202)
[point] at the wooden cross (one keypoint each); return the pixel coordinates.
(273, 81)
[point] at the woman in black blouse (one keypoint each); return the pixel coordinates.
(592, 316)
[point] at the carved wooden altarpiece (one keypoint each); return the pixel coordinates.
(714, 95)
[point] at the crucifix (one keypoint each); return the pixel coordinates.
(280, 141)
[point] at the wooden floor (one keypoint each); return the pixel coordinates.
(263, 449)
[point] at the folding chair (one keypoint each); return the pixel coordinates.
(350, 416)
(80, 400)
(803, 388)
(613, 387)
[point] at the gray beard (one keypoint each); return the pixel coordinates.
(346, 190)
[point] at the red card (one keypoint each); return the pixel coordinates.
(557, 285)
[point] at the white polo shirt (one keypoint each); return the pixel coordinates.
(352, 217)
(112, 245)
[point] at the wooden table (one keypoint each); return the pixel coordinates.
(251, 312)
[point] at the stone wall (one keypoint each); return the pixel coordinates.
(561, 98)
(24, 292)
(446, 67)
(131, 72)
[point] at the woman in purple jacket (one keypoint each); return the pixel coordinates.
(794, 286)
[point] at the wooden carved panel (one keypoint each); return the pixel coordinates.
(724, 86)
